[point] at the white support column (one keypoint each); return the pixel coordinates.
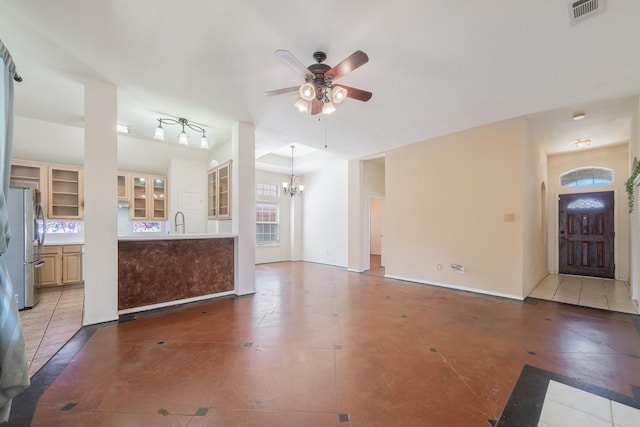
(295, 227)
(243, 206)
(357, 217)
(100, 196)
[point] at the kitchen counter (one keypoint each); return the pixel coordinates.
(142, 236)
(162, 270)
(46, 243)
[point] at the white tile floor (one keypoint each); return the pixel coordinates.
(593, 292)
(51, 323)
(568, 406)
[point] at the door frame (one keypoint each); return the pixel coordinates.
(556, 231)
(368, 234)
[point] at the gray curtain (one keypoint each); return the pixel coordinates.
(14, 375)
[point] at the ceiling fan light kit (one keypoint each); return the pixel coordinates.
(319, 93)
(307, 92)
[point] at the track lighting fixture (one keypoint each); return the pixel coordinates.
(183, 138)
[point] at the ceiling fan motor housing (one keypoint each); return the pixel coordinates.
(319, 56)
(320, 82)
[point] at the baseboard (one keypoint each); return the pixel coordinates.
(458, 288)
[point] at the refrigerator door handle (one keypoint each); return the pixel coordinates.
(40, 216)
(37, 264)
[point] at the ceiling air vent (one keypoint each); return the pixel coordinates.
(583, 9)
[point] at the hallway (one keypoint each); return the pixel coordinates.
(320, 346)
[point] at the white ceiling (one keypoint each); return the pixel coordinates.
(435, 67)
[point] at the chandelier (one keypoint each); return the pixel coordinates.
(292, 187)
(183, 139)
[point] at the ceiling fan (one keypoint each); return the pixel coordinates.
(319, 93)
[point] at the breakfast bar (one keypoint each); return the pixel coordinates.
(158, 271)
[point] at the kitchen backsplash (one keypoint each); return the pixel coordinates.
(126, 227)
(56, 236)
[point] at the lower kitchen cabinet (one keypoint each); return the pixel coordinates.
(63, 265)
(50, 274)
(71, 264)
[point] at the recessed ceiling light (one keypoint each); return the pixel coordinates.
(578, 116)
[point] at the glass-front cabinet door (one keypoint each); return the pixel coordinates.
(212, 194)
(65, 193)
(159, 198)
(123, 186)
(224, 191)
(138, 208)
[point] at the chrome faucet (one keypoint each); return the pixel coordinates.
(175, 221)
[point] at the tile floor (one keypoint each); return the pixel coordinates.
(592, 292)
(51, 323)
(319, 346)
(565, 405)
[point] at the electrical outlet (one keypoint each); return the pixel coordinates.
(439, 267)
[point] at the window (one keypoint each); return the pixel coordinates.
(268, 190)
(267, 214)
(587, 176)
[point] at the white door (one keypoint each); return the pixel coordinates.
(192, 206)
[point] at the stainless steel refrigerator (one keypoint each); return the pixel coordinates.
(27, 225)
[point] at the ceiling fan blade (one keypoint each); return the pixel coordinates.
(294, 63)
(359, 94)
(280, 91)
(316, 107)
(356, 59)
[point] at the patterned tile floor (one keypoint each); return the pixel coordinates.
(592, 292)
(319, 346)
(51, 323)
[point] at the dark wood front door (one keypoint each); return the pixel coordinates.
(586, 234)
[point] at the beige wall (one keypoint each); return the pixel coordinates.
(613, 157)
(445, 202)
(534, 215)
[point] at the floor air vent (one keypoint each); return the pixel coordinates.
(583, 9)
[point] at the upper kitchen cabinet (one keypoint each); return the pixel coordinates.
(124, 186)
(61, 188)
(22, 170)
(212, 194)
(65, 192)
(219, 192)
(30, 172)
(159, 197)
(148, 197)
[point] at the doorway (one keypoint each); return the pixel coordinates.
(586, 234)
(376, 232)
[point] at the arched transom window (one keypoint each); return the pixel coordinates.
(587, 176)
